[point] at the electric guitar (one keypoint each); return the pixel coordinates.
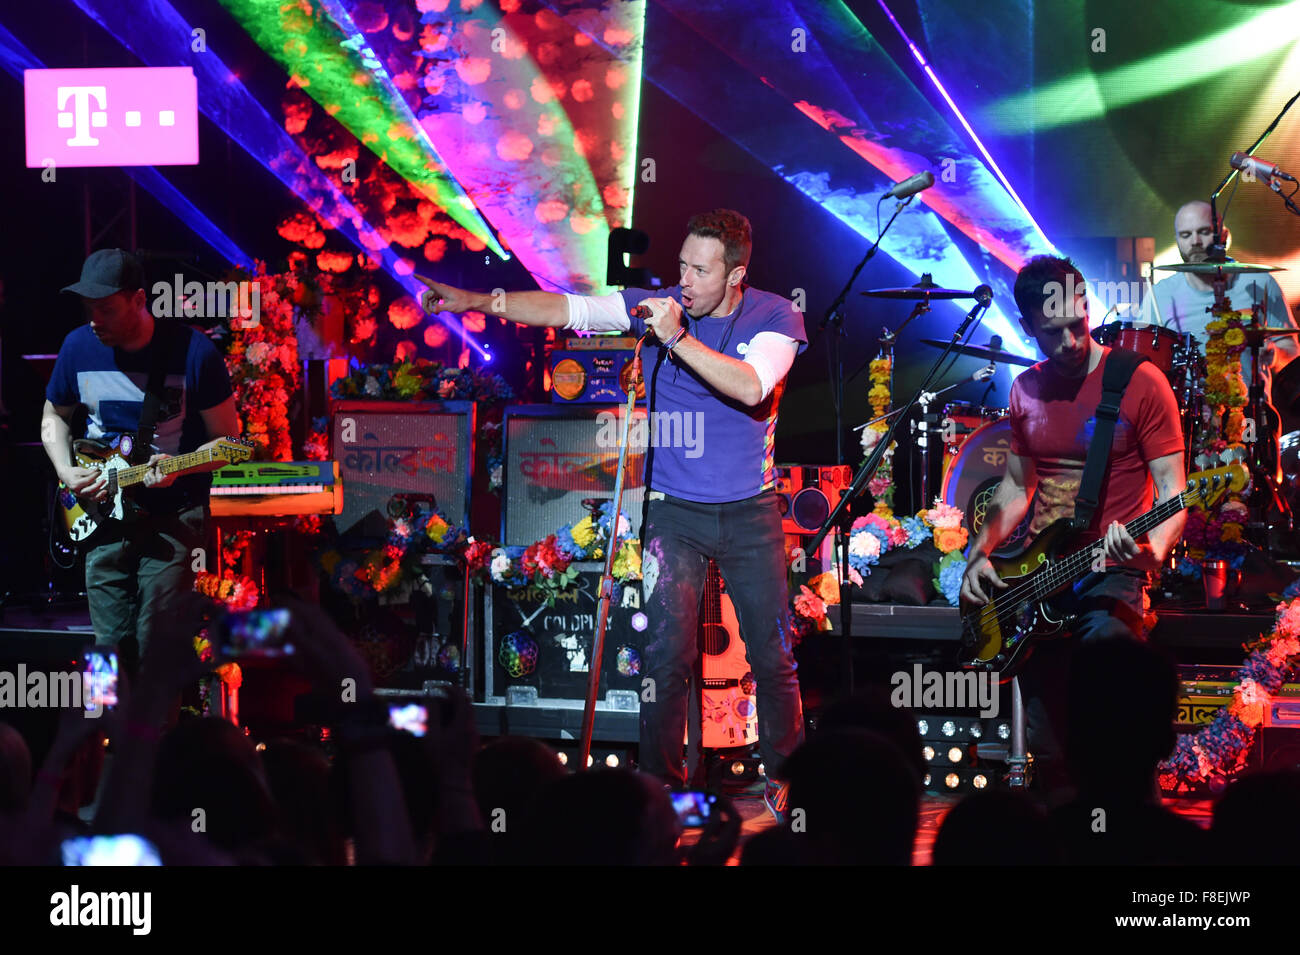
(83, 517)
(993, 635)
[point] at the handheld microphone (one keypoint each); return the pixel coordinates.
(639, 311)
(1261, 169)
(911, 185)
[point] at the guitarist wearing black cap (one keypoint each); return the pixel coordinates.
(150, 390)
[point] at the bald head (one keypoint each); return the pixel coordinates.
(1194, 230)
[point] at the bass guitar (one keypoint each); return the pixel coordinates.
(994, 635)
(83, 517)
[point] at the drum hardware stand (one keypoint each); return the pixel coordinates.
(1265, 500)
(841, 517)
(1018, 773)
(835, 315)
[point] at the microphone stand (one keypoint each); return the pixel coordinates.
(1218, 251)
(835, 314)
(840, 518)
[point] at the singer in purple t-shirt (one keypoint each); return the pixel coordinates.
(716, 367)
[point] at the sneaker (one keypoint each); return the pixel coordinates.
(776, 797)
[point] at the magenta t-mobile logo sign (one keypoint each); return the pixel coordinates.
(146, 116)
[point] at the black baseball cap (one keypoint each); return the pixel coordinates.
(106, 272)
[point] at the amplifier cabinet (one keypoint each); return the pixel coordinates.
(394, 454)
(558, 457)
(539, 655)
(807, 493)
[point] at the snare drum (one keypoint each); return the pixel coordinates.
(1160, 345)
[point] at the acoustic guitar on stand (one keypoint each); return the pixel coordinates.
(994, 634)
(83, 517)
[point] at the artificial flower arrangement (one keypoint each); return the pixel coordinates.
(547, 564)
(418, 379)
(420, 530)
(873, 535)
(1220, 749)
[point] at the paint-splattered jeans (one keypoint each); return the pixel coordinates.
(746, 541)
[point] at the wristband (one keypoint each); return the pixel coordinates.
(677, 336)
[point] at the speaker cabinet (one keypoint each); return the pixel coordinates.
(806, 494)
(556, 458)
(393, 454)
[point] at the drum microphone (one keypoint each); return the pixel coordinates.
(1260, 169)
(910, 186)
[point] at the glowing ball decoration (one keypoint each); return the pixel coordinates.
(405, 312)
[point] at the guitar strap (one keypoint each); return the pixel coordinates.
(163, 342)
(1118, 372)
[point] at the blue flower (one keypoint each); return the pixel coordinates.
(917, 531)
(948, 577)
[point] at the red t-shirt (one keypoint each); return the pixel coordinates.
(1052, 420)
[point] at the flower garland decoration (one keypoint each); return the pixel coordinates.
(262, 359)
(236, 591)
(1219, 750)
(881, 484)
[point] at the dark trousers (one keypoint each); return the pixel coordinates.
(746, 541)
(136, 572)
(1109, 606)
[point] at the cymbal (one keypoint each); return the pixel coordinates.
(916, 293)
(988, 354)
(1209, 268)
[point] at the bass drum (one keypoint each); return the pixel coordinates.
(974, 476)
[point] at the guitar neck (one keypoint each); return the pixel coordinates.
(1077, 565)
(173, 465)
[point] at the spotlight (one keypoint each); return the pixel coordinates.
(923, 726)
(1004, 731)
(563, 757)
(955, 754)
(925, 781)
(590, 761)
(979, 781)
(260, 747)
(737, 768)
(928, 753)
(762, 770)
(611, 761)
(976, 731)
(639, 622)
(949, 728)
(952, 780)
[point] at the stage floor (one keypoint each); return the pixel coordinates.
(933, 808)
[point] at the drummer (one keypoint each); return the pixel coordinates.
(1185, 297)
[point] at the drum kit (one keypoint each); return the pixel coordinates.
(977, 439)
